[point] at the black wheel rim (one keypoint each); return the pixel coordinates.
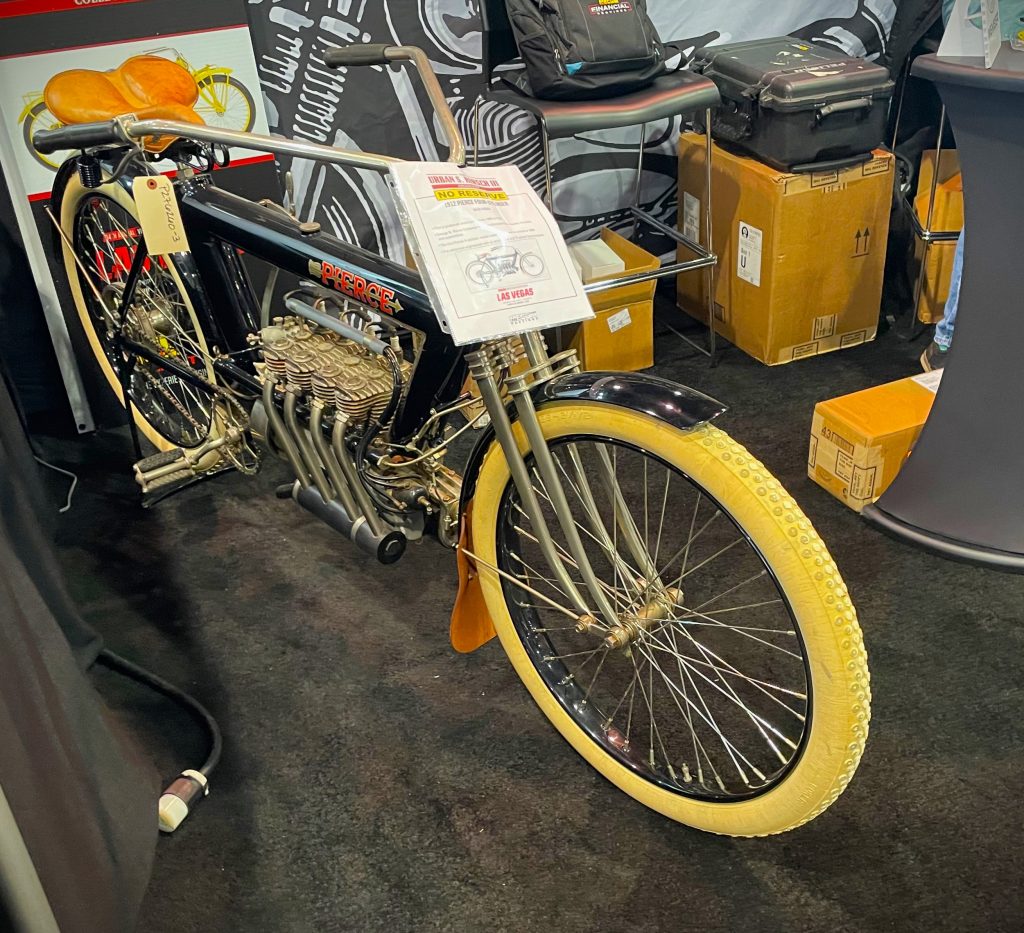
(680, 753)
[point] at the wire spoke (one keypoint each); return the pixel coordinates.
(703, 682)
(723, 687)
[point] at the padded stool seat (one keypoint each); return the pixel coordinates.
(681, 92)
(145, 85)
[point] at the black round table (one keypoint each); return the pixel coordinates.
(961, 493)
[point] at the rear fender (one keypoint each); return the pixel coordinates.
(684, 408)
(69, 167)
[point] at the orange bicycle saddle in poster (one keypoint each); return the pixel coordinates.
(146, 85)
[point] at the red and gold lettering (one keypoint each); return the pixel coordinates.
(356, 287)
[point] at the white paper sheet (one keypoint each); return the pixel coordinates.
(490, 253)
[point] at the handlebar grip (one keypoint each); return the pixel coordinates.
(369, 54)
(78, 136)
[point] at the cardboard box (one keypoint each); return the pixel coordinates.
(800, 257)
(621, 336)
(948, 214)
(860, 441)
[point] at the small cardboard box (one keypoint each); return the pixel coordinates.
(800, 256)
(860, 441)
(621, 335)
(948, 214)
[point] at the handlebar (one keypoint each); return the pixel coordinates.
(373, 54)
(78, 136)
(358, 55)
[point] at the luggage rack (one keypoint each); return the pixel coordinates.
(704, 255)
(705, 258)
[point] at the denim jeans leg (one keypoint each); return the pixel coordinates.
(944, 329)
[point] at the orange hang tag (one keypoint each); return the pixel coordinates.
(159, 215)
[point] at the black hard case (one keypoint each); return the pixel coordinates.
(796, 105)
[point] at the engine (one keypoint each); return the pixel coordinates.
(326, 398)
(332, 369)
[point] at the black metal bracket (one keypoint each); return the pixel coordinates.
(127, 360)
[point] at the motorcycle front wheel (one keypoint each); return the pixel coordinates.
(731, 692)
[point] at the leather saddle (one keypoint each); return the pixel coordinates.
(147, 86)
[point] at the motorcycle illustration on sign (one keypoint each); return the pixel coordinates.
(488, 267)
(223, 101)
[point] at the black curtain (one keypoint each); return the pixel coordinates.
(84, 800)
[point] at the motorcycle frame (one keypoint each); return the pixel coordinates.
(220, 225)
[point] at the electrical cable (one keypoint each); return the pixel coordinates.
(121, 665)
(56, 469)
(181, 797)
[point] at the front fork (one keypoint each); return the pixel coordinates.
(594, 602)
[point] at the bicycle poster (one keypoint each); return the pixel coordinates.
(42, 40)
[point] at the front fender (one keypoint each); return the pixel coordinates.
(204, 74)
(679, 406)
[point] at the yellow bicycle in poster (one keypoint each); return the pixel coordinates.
(223, 101)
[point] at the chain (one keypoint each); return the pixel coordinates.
(223, 394)
(166, 393)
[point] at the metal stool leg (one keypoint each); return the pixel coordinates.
(709, 244)
(916, 326)
(545, 143)
(899, 108)
(638, 187)
(476, 131)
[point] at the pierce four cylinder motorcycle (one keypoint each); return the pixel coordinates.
(664, 600)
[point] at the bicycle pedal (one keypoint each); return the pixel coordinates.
(163, 469)
(161, 459)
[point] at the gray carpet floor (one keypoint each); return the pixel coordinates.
(375, 780)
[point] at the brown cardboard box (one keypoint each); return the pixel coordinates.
(948, 214)
(801, 257)
(859, 441)
(621, 335)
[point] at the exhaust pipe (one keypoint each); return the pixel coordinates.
(387, 547)
(342, 490)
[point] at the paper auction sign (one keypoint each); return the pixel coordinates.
(490, 253)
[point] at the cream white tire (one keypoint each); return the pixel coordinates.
(840, 689)
(74, 193)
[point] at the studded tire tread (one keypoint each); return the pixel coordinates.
(840, 682)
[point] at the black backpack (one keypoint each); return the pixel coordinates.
(585, 49)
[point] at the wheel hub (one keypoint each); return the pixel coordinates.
(631, 626)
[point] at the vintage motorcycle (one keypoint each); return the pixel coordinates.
(663, 599)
